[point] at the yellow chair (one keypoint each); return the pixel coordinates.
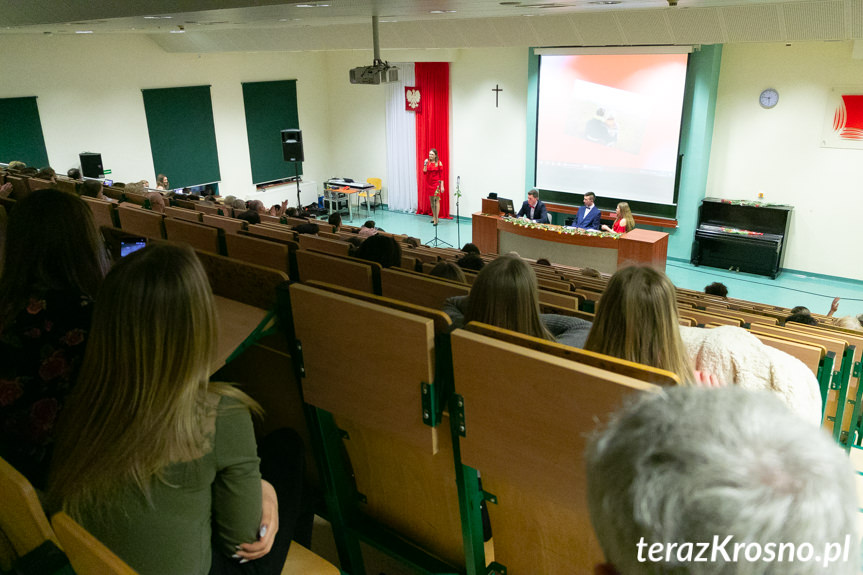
(22, 521)
(374, 195)
(87, 554)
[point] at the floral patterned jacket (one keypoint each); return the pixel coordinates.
(41, 350)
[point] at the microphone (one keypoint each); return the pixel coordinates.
(426, 163)
(457, 181)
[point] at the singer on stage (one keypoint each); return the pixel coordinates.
(433, 170)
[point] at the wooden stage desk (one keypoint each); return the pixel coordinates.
(492, 234)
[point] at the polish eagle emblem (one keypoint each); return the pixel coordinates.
(412, 99)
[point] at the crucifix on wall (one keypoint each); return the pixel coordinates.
(497, 90)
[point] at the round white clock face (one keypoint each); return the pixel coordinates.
(769, 98)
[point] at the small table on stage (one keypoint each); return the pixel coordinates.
(344, 187)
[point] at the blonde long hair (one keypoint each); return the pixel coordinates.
(626, 213)
(505, 294)
(140, 401)
(636, 320)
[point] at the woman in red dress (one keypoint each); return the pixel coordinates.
(433, 169)
(624, 221)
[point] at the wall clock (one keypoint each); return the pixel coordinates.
(768, 98)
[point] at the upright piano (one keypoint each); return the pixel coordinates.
(743, 237)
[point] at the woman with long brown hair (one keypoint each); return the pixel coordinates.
(505, 294)
(624, 221)
(156, 461)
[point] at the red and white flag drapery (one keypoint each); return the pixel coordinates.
(432, 129)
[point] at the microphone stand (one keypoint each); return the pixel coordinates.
(457, 198)
(436, 243)
(297, 176)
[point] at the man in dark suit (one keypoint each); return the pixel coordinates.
(588, 214)
(533, 209)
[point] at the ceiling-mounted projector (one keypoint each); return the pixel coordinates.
(380, 71)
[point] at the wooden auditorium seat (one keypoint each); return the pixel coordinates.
(324, 245)
(524, 427)
(207, 209)
(419, 289)
(276, 232)
(135, 220)
(259, 252)
(87, 554)
(369, 392)
(199, 236)
(229, 225)
(22, 522)
(104, 213)
(347, 272)
(183, 214)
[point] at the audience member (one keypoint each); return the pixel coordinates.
(74, 174)
(637, 320)
(229, 201)
(257, 205)
(689, 469)
(448, 270)
(801, 317)
(54, 264)
(543, 262)
(47, 174)
(162, 183)
(471, 261)
(717, 289)
(92, 189)
(368, 229)
(311, 229)
(623, 222)
(16, 165)
(384, 250)
(153, 459)
(412, 242)
(291, 212)
(335, 220)
(800, 309)
(505, 294)
(355, 242)
(849, 322)
(251, 216)
(591, 273)
(157, 202)
(470, 248)
(239, 204)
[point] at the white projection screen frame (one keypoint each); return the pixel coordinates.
(609, 121)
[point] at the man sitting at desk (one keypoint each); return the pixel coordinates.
(588, 214)
(533, 209)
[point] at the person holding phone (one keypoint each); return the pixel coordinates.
(433, 170)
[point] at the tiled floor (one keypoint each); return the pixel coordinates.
(789, 289)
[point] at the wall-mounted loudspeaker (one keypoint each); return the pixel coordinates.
(91, 165)
(292, 145)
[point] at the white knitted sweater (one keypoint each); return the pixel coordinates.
(737, 357)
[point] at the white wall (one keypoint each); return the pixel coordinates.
(488, 142)
(89, 99)
(777, 151)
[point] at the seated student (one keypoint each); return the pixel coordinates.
(311, 229)
(804, 318)
(717, 289)
(624, 222)
(153, 459)
(505, 294)
(636, 320)
(47, 174)
(384, 250)
(471, 261)
(690, 469)
(470, 248)
(157, 202)
(335, 221)
(54, 265)
(73, 174)
(543, 262)
(251, 216)
(368, 229)
(533, 209)
(448, 270)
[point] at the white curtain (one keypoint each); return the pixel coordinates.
(401, 179)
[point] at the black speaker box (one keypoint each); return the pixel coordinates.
(91, 165)
(292, 145)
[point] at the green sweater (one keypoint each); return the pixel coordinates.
(215, 498)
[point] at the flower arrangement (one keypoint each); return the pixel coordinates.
(750, 203)
(564, 230)
(740, 232)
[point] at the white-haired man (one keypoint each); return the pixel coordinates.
(720, 482)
